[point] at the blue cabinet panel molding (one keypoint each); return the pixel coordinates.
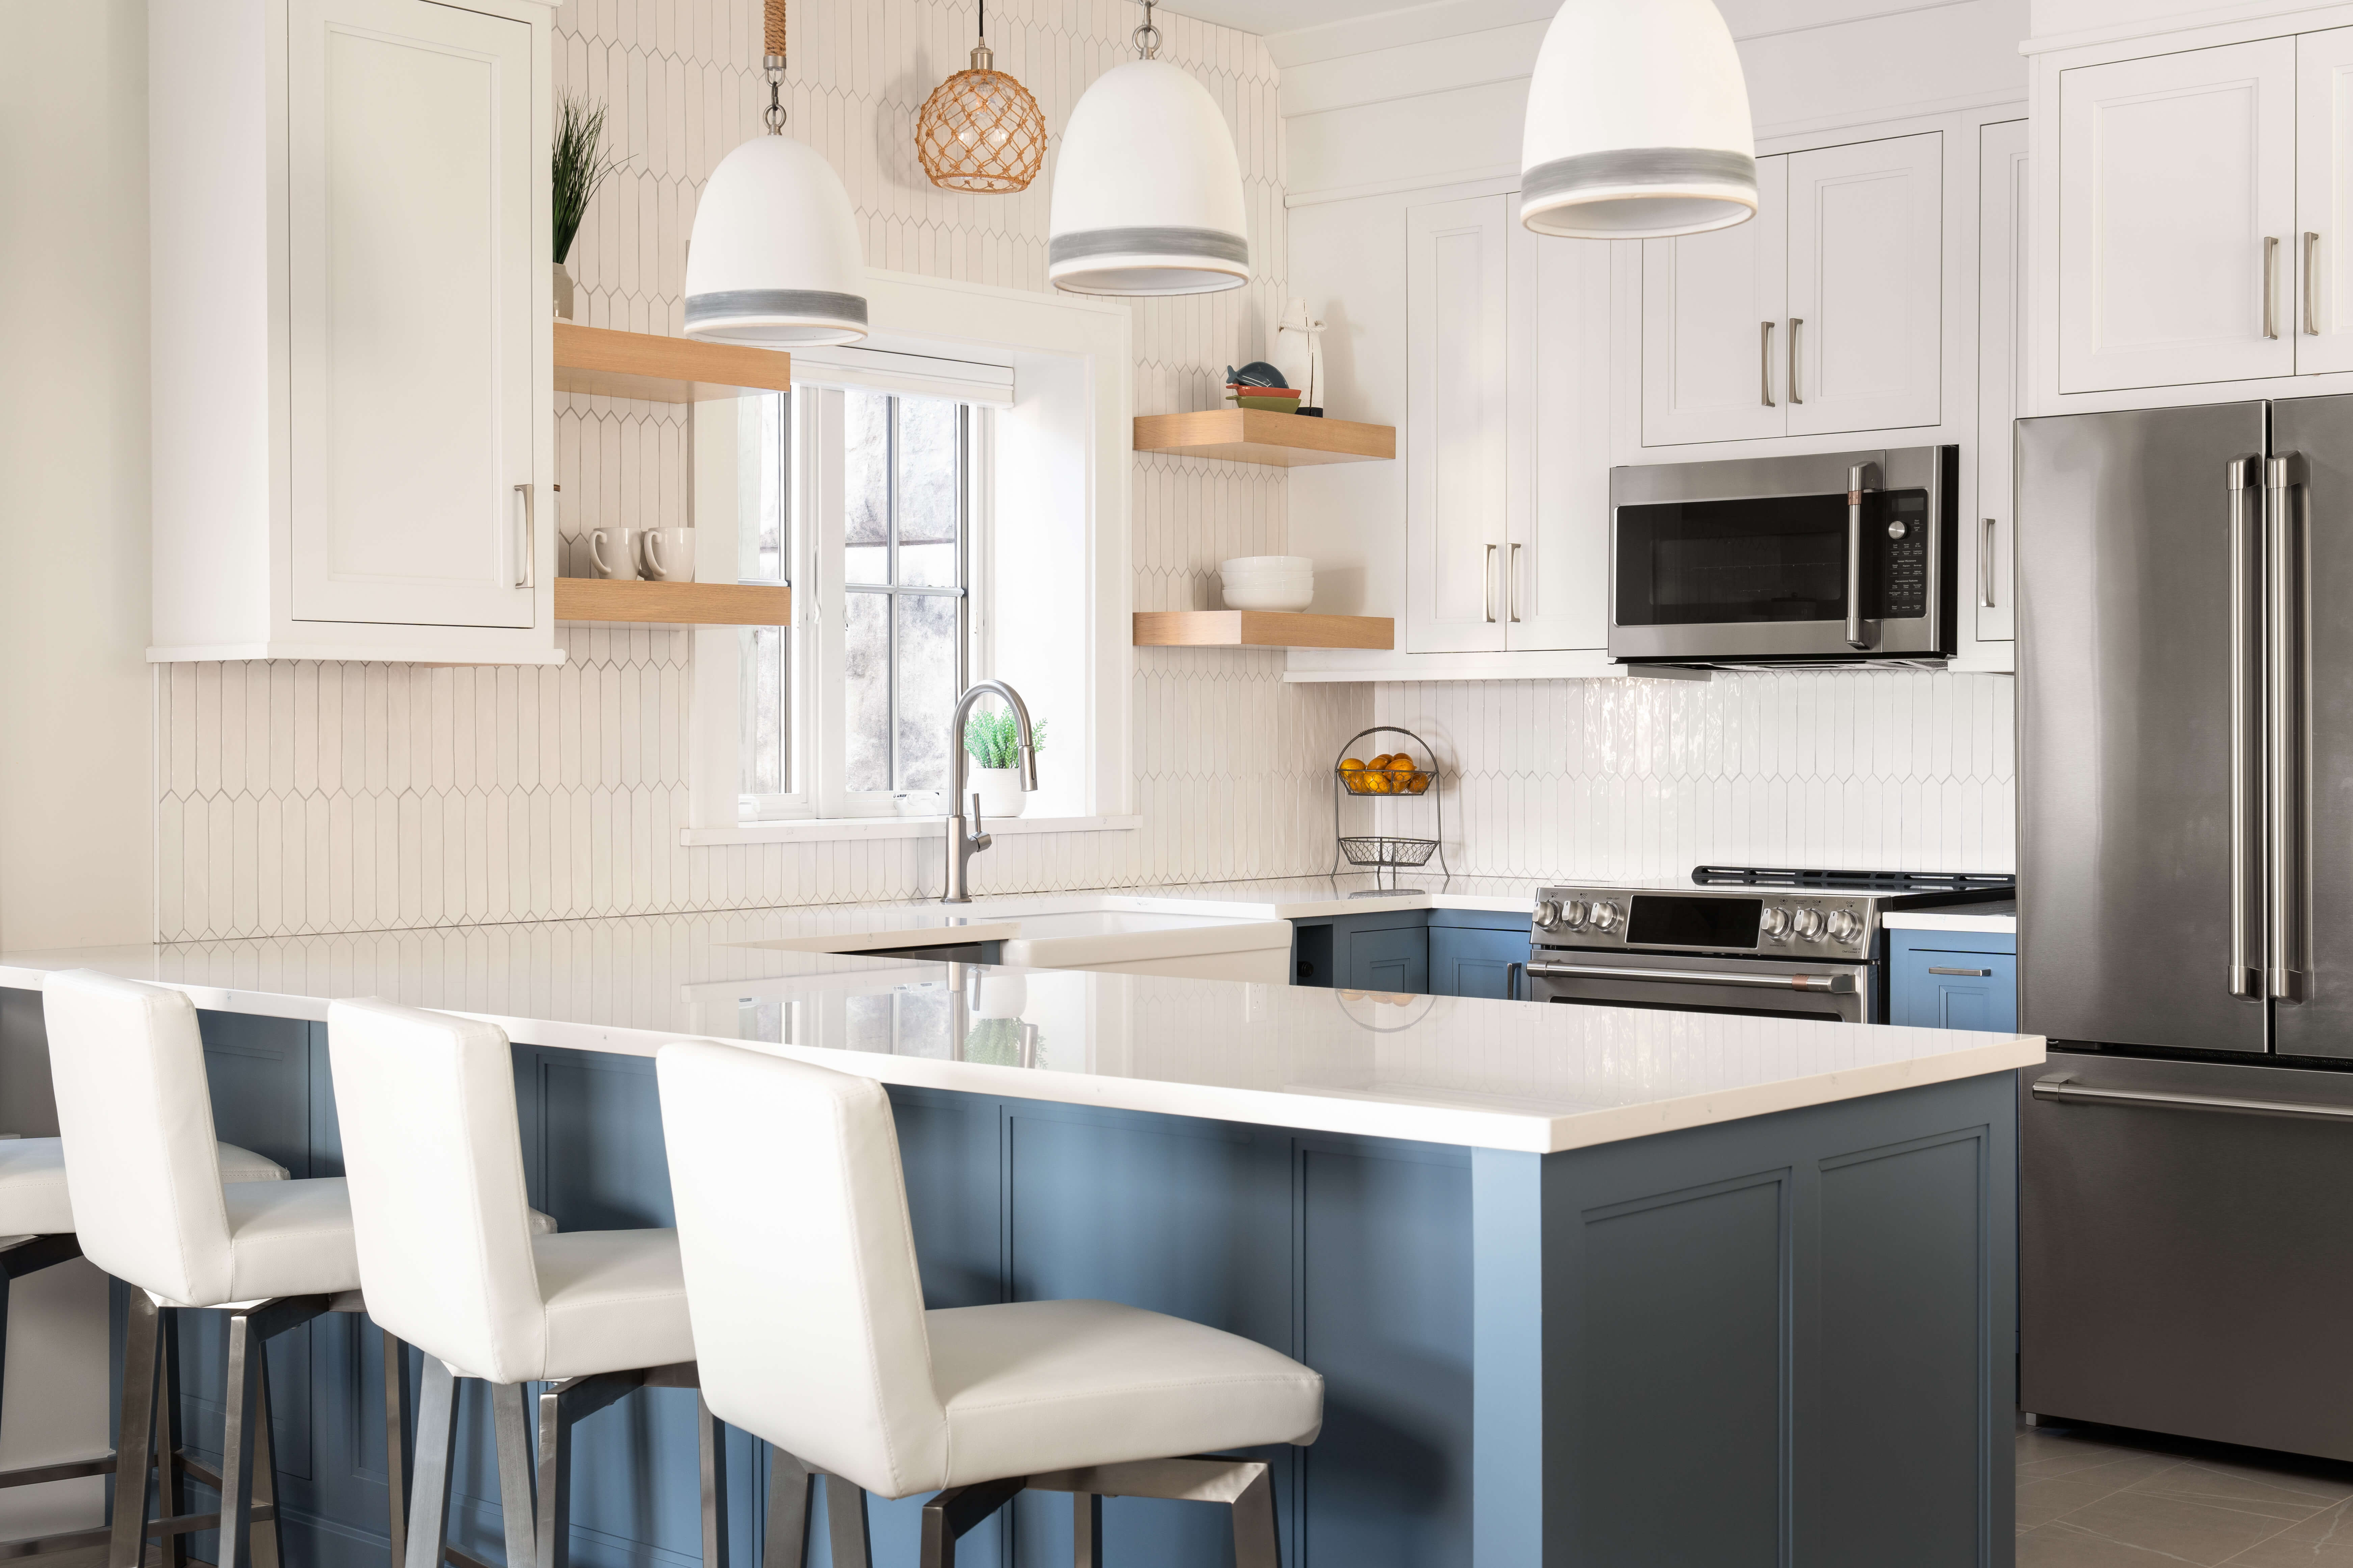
(1953, 980)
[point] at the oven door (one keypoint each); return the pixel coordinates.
(1752, 988)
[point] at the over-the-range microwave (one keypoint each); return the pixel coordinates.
(1840, 558)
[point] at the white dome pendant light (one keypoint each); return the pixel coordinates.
(775, 259)
(1147, 191)
(1638, 123)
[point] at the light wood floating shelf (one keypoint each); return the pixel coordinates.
(1261, 628)
(1253, 436)
(654, 369)
(673, 604)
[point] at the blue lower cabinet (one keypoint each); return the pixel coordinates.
(1953, 980)
(1475, 961)
(1389, 958)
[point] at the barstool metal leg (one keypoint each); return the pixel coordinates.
(518, 1501)
(172, 1477)
(954, 1512)
(136, 1433)
(269, 1541)
(710, 1454)
(1086, 1530)
(437, 1452)
(399, 1419)
(237, 1456)
(1258, 1539)
(790, 1484)
(845, 1524)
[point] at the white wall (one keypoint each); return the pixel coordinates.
(75, 807)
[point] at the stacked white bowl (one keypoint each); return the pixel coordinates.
(1268, 582)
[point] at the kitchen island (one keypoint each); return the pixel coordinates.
(1587, 1285)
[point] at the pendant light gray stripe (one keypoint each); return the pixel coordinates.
(1210, 243)
(794, 304)
(1618, 167)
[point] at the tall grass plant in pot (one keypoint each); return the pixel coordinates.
(580, 165)
(993, 741)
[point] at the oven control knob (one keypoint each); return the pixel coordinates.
(1776, 924)
(1808, 925)
(1575, 913)
(1844, 926)
(1606, 915)
(1547, 913)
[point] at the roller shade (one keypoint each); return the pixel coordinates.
(913, 375)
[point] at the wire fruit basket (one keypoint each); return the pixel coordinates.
(1400, 776)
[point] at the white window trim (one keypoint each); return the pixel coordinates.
(1072, 427)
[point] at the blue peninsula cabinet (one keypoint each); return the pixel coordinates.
(1587, 1285)
(1441, 953)
(1953, 979)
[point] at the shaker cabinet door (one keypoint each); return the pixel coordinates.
(2176, 218)
(1987, 548)
(1456, 400)
(411, 213)
(2324, 200)
(1714, 343)
(1866, 302)
(1556, 570)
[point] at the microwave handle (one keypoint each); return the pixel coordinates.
(1858, 479)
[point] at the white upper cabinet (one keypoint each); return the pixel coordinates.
(2324, 200)
(1713, 337)
(2178, 208)
(1822, 315)
(1865, 314)
(353, 406)
(1456, 311)
(1556, 564)
(1987, 550)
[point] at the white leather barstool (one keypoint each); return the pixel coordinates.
(435, 1158)
(808, 1312)
(153, 1208)
(37, 1232)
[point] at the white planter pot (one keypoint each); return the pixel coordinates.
(1000, 791)
(563, 292)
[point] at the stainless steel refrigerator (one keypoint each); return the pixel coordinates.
(2185, 698)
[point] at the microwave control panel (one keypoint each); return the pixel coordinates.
(1903, 564)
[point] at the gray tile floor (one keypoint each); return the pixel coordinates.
(2095, 1496)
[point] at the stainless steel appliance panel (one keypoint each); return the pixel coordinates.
(2315, 844)
(2182, 1263)
(1781, 988)
(2126, 737)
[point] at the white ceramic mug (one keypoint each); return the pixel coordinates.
(613, 552)
(667, 554)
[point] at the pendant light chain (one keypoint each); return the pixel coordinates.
(1148, 37)
(773, 60)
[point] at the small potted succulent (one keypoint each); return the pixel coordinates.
(994, 740)
(580, 166)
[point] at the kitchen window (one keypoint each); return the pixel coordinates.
(864, 500)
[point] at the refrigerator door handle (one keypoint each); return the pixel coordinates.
(1860, 478)
(2284, 482)
(2246, 974)
(2063, 1088)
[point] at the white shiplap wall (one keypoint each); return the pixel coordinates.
(1894, 769)
(312, 798)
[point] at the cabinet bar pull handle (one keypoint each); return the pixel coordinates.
(2311, 299)
(1979, 973)
(1765, 363)
(2064, 1087)
(1795, 322)
(523, 567)
(1490, 584)
(1512, 585)
(2271, 281)
(1985, 567)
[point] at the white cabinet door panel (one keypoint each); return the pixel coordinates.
(1865, 321)
(1557, 564)
(2174, 172)
(1987, 550)
(1712, 313)
(2324, 200)
(1456, 423)
(409, 233)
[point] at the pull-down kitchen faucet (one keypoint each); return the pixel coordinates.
(963, 845)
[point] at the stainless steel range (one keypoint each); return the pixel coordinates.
(1770, 944)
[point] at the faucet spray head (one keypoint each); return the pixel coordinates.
(1029, 766)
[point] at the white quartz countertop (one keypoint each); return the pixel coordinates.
(1969, 917)
(1499, 1075)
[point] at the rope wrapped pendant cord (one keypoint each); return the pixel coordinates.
(775, 10)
